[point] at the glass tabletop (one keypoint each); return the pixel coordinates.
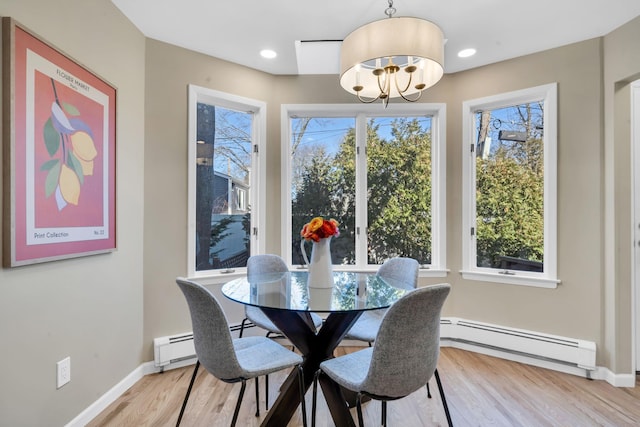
(350, 292)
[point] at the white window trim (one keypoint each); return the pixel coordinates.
(258, 182)
(547, 279)
(438, 128)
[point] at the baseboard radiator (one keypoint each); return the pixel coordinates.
(173, 349)
(553, 348)
(178, 348)
(578, 353)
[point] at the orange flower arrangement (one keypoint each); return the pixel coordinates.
(320, 228)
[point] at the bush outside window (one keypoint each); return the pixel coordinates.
(510, 192)
(378, 172)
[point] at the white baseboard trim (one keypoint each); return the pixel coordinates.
(527, 360)
(110, 396)
(599, 373)
(616, 380)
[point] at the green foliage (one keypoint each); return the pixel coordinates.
(49, 164)
(509, 202)
(399, 199)
(70, 109)
(509, 209)
(74, 164)
(219, 231)
(246, 227)
(51, 138)
(319, 194)
(51, 182)
(399, 194)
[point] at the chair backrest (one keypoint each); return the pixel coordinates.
(401, 269)
(406, 350)
(211, 335)
(266, 263)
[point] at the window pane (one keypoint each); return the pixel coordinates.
(323, 181)
(509, 188)
(399, 188)
(223, 219)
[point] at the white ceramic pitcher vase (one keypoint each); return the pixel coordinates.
(320, 267)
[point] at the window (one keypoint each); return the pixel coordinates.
(225, 134)
(241, 199)
(509, 190)
(378, 172)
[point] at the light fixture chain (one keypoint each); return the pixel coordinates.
(390, 10)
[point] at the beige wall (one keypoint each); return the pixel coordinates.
(574, 308)
(87, 308)
(621, 67)
(169, 72)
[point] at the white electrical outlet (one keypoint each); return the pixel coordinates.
(64, 371)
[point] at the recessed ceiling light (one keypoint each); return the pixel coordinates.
(268, 53)
(465, 53)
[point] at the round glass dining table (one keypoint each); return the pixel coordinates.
(287, 301)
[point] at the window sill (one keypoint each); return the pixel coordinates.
(423, 272)
(210, 278)
(433, 272)
(213, 278)
(511, 279)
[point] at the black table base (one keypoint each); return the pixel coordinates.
(315, 348)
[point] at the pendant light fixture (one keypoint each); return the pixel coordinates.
(392, 58)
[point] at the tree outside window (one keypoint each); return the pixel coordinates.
(510, 187)
(378, 184)
(509, 203)
(223, 159)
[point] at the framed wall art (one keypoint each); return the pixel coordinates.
(59, 153)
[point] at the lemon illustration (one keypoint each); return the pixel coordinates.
(87, 166)
(83, 146)
(69, 185)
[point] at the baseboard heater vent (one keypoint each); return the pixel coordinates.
(554, 348)
(580, 353)
(177, 348)
(172, 349)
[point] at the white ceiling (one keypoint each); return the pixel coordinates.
(236, 30)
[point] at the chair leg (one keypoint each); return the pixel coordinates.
(186, 397)
(444, 400)
(242, 327)
(428, 391)
(303, 403)
(266, 392)
(384, 413)
(359, 410)
(257, 398)
(315, 398)
(237, 410)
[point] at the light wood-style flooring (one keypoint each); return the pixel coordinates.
(480, 390)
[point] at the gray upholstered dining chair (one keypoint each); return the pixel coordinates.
(401, 269)
(403, 357)
(405, 271)
(260, 264)
(266, 263)
(232, 360)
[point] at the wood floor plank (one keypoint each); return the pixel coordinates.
(480, 390)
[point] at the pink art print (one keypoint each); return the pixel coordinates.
(63, 156)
